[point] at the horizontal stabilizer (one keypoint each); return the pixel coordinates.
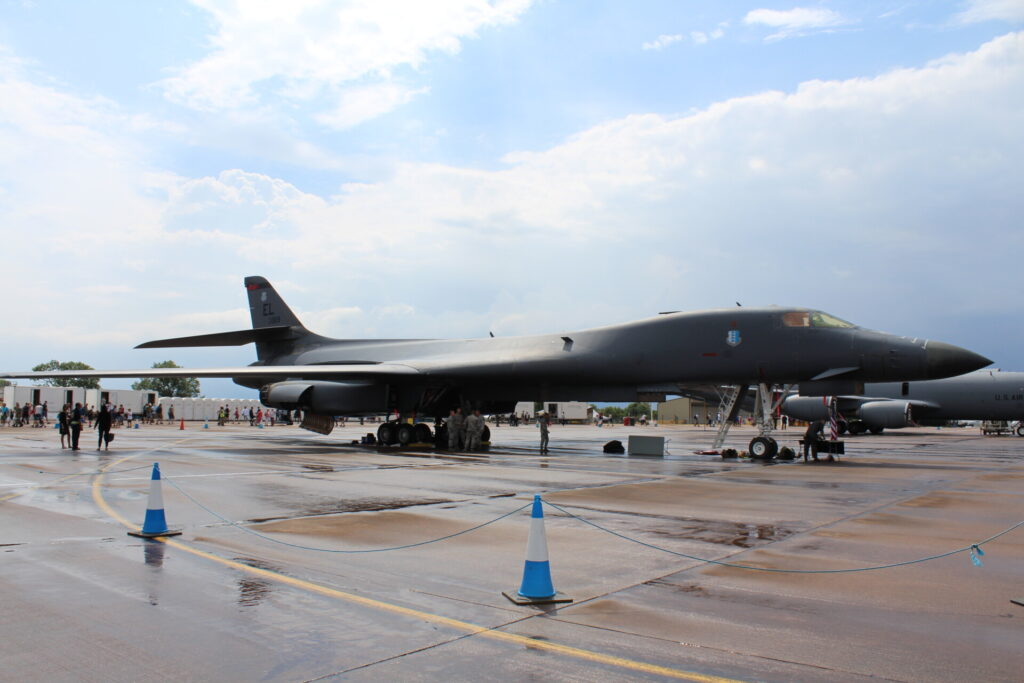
(237, 338)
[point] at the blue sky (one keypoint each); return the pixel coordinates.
(450, 168)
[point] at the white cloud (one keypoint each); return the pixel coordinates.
(662, 41)
(795, 22)
(899, 177)
(344, 52)
(696, 37)
(358, 104)
(992, 10)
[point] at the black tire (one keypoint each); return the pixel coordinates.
(406, 434)
(763, 448)
(877, 430)
(387, 434)
(485, 436)
(423, 433)
(857, 427)
(842, 427)
(1020, 430)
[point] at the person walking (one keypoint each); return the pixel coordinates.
(474, 430)
(77, 415)
(103, 424)
(543, 421)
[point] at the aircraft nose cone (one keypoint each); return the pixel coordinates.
(947, 360)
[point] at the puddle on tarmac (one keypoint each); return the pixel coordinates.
(317, 468)
(741, 535)
(253, 590)
(334, 507)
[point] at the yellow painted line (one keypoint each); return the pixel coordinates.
(472, 629)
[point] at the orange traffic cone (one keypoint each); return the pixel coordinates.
(182, 425)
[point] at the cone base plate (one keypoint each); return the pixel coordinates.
(141, 534)
(515, 597)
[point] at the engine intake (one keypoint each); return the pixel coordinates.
(808, 408)
(894, 414)
(327, 398)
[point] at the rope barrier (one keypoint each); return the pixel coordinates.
(974, 549)
(337, 550)
(97, 472)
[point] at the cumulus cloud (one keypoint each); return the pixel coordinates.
(795, 22)
(663, 41)
(891, 181)
(992, 10)
(696, 37)
(346, 53)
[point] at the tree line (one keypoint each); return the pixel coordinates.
(179, 387)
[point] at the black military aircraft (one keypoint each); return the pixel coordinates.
(641, 360)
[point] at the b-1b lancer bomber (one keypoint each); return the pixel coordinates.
(641, 360)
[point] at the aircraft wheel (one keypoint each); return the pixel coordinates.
(387, 433)
(877, 430)
(1020, 430)
(423, 433)
(763, 447)
(486, 435)
(406, 434)
(857, 427)
(841, 427)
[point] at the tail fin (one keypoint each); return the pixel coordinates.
(275, 329)
(266, 306)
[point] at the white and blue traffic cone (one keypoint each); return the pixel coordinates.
(536, 588)
(155, 523)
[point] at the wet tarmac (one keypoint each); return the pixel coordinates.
(269, 582)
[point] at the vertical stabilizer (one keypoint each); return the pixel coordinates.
(268, 309)
(266, 306)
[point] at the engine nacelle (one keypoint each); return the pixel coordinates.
(893, 414)
(807, 408)
(327, 398)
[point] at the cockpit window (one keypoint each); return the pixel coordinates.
(819, 319)
(796, 319)
(813, 319)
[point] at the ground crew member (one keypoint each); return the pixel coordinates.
(811, 438)
(543, 421)
(456, 430)
(474, 430)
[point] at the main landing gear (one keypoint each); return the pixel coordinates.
(404, 434)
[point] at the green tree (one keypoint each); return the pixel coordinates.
(638, 409)
(183, 387)
(4, 383)
(611, 412)
(83, 382)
